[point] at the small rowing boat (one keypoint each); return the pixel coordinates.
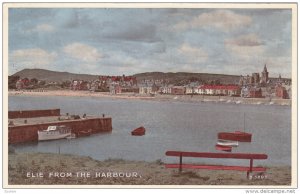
(227, 143)
(223, 148)
(138, 131)
(84, 133)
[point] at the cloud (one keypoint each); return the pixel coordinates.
(133, 32)
(139, 40)
(245, 40)
(43, 28)
(32, 57)
(193, 54)
(224, 20)
(245, 46)
(83, 52)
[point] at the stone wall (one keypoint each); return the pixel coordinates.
(33, 113)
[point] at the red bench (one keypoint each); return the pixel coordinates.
(248, 156)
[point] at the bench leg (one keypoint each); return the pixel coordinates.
(248, 174)
(180, 163)
(250, 170)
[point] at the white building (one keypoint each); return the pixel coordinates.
(190, 90)
(166, 90)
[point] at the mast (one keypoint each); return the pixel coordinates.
(244, 122)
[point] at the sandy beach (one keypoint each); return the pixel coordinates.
(25, 169)
(158, 97)
(74, 93)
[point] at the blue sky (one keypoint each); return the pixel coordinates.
(128, 41)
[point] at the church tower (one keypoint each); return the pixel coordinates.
(265, 75)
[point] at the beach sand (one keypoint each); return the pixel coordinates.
(139, 173)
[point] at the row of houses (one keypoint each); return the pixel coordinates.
(129, 84)
(118, 85)
(217, 90)
(223, 90)
(125, 81)
(113, 84)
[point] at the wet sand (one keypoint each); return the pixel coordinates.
(74, 170)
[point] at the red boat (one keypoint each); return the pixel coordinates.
(223, 148)
(235, 136)
(138, 131)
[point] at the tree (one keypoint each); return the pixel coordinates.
(33, 81)
(217, 82)
(66, 84)
(41, 83)
(12, 80)
(26, 81)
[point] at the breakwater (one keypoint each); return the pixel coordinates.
(33, 113)
(28, 133)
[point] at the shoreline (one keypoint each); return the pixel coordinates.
(26, 168)
(166, 97)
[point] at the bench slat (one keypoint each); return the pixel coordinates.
(218, 155)
(216, 167)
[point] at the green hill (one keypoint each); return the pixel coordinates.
(47, 75)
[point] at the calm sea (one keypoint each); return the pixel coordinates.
(170, 125)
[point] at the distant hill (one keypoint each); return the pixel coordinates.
(172, 78)
(184, 77)
(47, 75)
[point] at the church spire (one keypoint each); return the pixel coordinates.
(265, 68)
(265, 75)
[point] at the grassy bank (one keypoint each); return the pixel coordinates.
(129, 172)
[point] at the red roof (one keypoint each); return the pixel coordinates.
(220, 87)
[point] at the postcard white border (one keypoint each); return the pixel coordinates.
(294, 147)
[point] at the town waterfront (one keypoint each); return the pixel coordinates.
(170, 125)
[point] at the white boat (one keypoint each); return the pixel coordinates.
(54, 132)
(72, 136)
(228, 143)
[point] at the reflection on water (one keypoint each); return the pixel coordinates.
(170, 126)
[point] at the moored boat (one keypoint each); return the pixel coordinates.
(235, 136)
(54, 132)
(240, 136)
(84, 133)
(228, 143)
(72, 136)
(138, 131)
(223, 148)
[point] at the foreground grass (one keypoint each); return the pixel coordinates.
(84, 170)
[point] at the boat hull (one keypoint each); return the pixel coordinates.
(84, 133)
(43, 136)
(235, 136)
(138, 131)
(228, 143)
(223, 148)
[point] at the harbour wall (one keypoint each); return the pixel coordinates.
(29, 133)
(33, 113)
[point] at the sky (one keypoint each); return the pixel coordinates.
(111, 41)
